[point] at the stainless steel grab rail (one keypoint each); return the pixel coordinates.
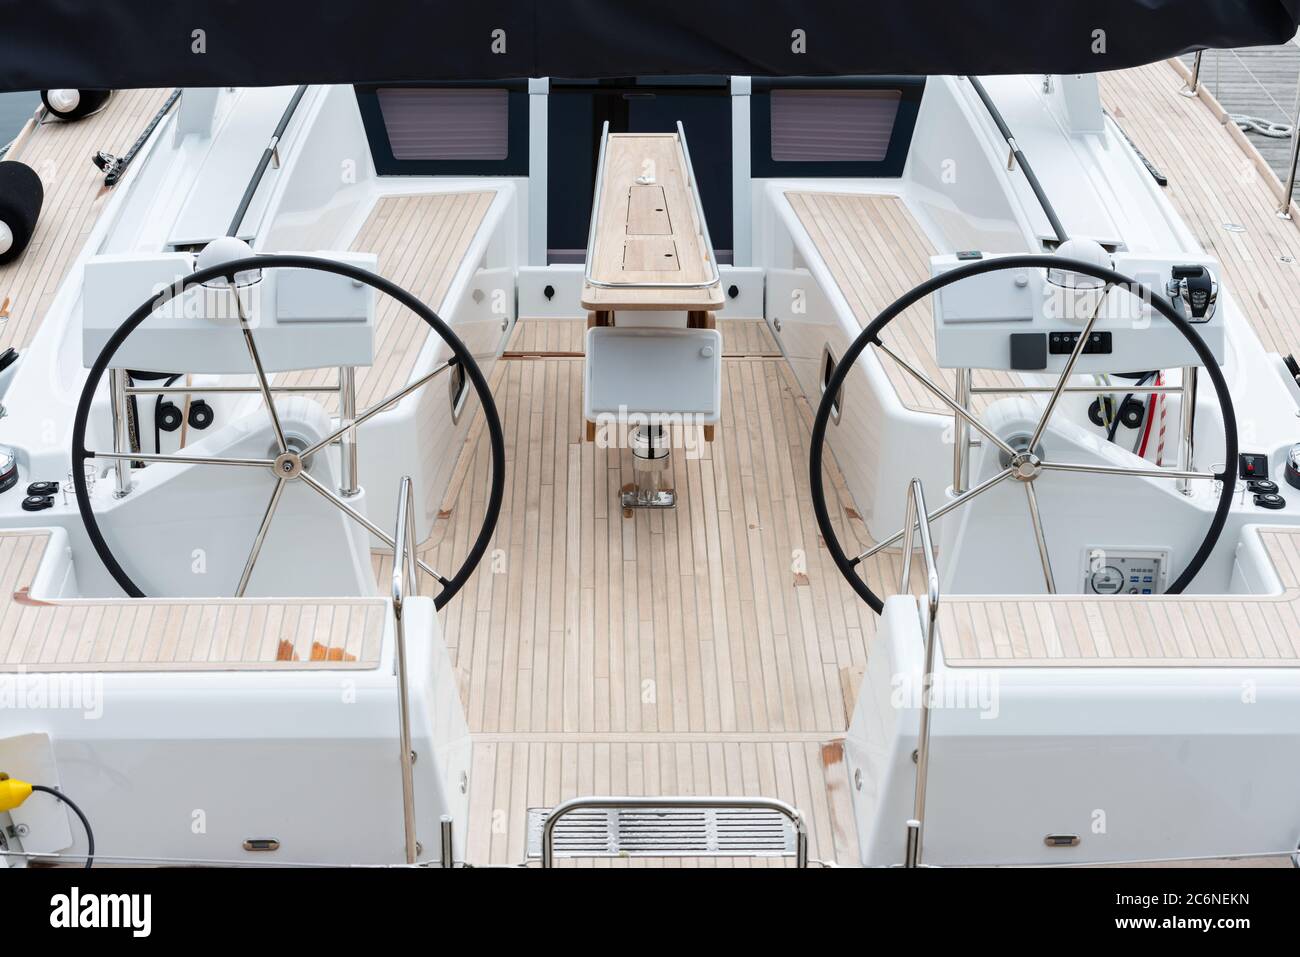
(1018, 155)
(917, 520)
(245, 201)
(792, 813)
(406, 571)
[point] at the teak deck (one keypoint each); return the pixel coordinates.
(706, 649)
(876, 251)
(213, 634)
(1217, 180)
(726, 604)
(1206, 631)
(74, 199)
(421, 243)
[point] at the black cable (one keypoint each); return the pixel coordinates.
(132, 376)
(157, 413)
(90, 835)
(1114, 426)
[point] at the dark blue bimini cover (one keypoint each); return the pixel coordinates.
(163, 43)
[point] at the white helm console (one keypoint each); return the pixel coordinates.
(1023, 320)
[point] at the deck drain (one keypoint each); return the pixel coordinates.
(665, 832)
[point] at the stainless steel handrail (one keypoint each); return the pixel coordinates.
(792, 813)
(406, 572)
(916, 520)
(228, 389)
(268, 154)
(1019, 156)
(700, 219)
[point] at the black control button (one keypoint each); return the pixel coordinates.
(42, 488)
(1254, 465)
(38, 503)
(1028, 351)
(969, 254)
(1270, 500)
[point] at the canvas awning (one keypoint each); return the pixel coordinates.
(153, 43)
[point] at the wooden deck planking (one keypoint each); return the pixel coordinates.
(511, 774)
(1214, 184)
(88, 635)
(74, 199)
(1258, 82)
(1220, 631)
(723, 615)
(876, 252)
(421, 242)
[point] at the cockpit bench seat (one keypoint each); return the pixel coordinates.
(196, 634)
(1159, 631)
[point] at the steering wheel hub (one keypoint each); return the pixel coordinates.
(287, 465)
(1026, 466)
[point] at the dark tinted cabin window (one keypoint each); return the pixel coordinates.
(446, 124)
(833, 126)
(830, 126)
(448, 128)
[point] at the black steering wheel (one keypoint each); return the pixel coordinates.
(1023, 464)
(289, 463)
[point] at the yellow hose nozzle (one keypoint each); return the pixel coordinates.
(13, 792)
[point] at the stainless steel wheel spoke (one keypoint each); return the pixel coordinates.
(181, 459)
(1067, 371)
(946, 399)
(260, 538)
(376, 409)
(1040, 537)
(1122, 470)
(263, 385)
(939, 512)
(364, 522)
